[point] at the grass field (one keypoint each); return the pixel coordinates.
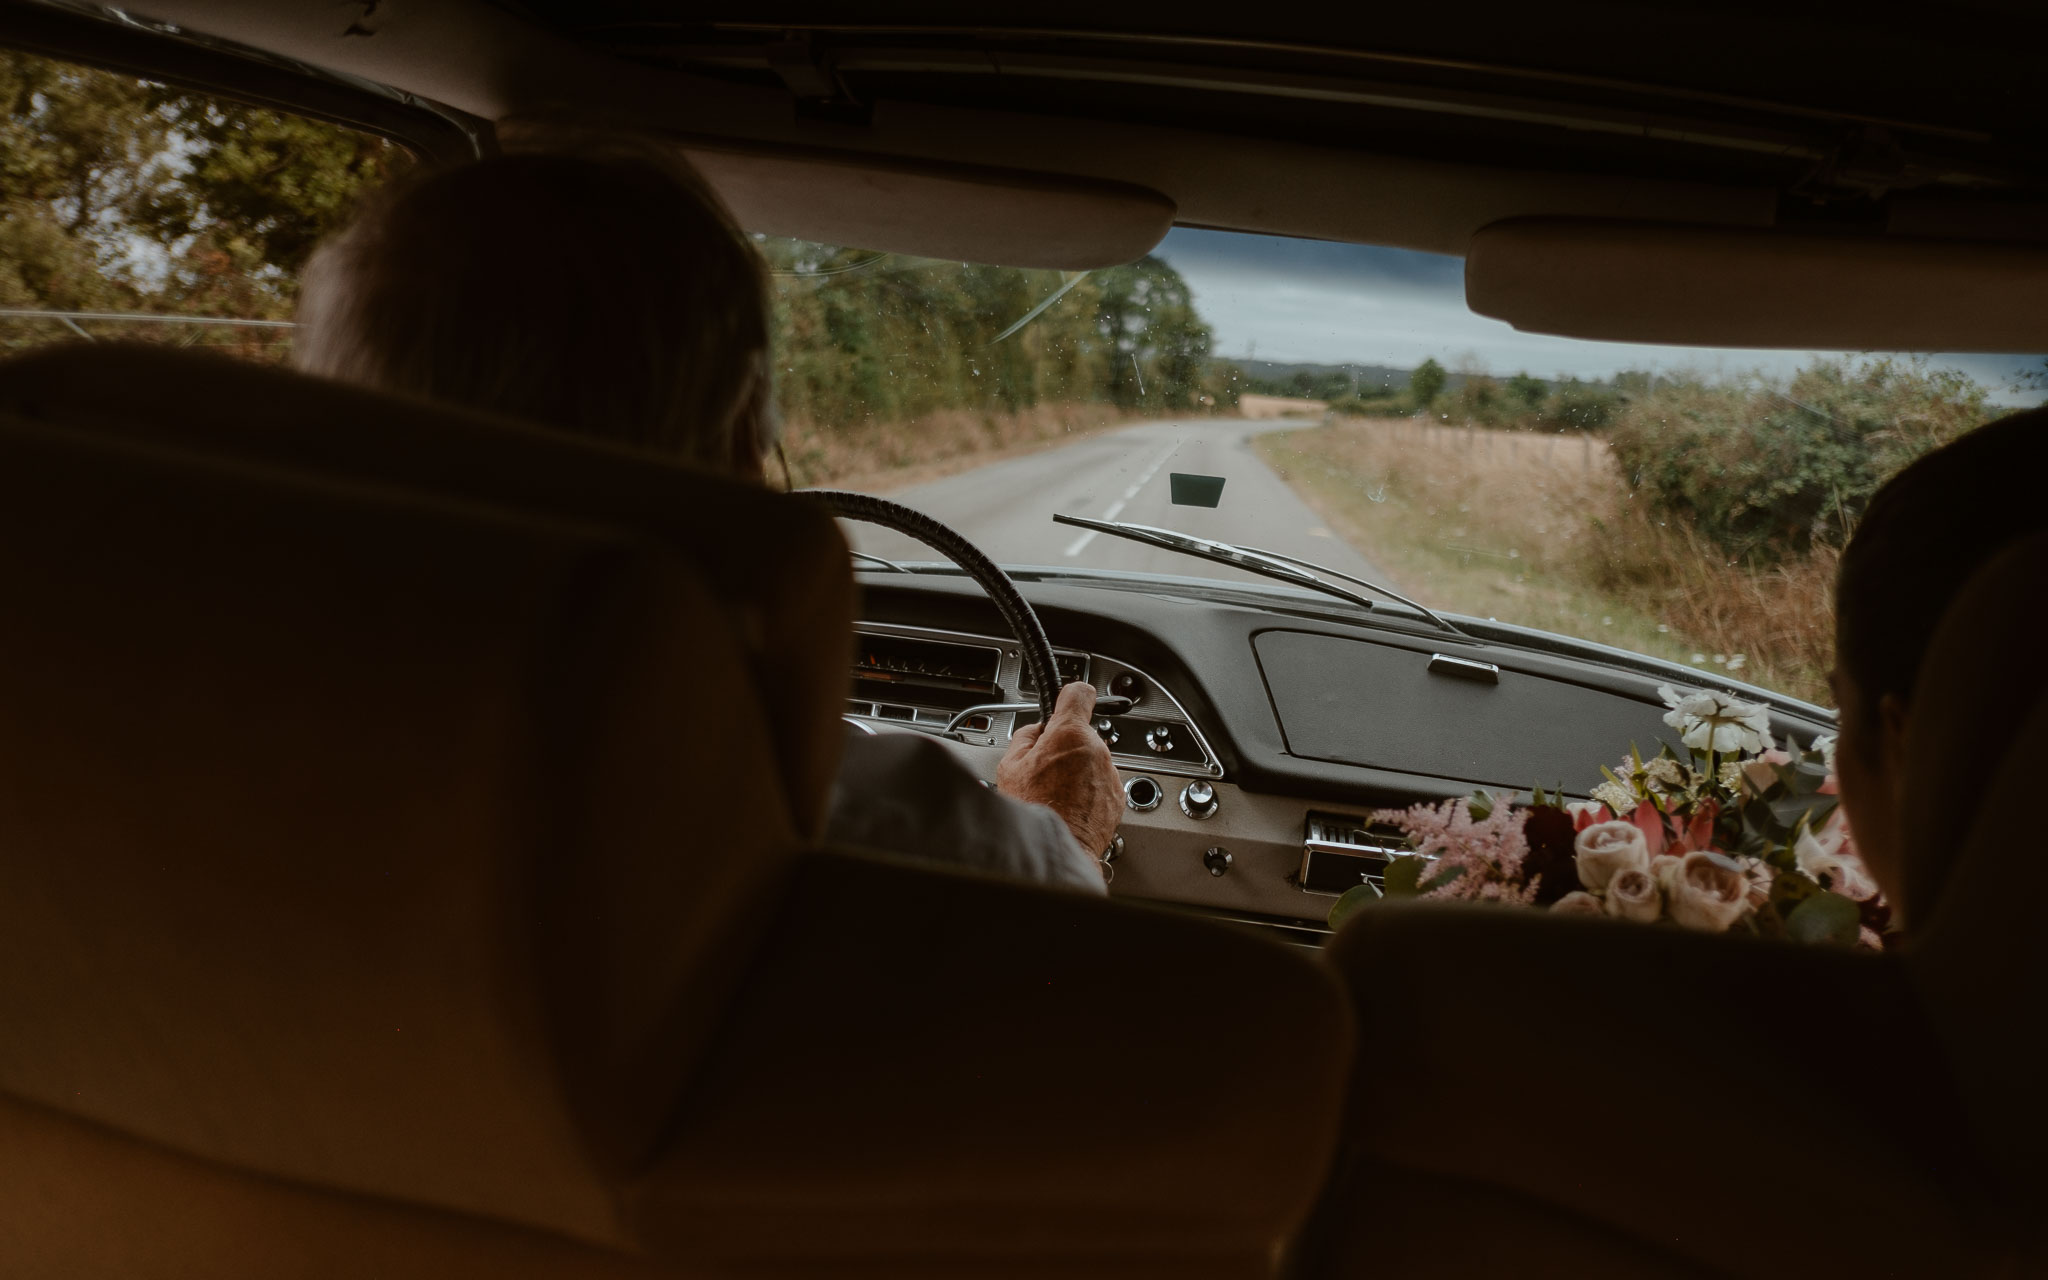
(1543, 530)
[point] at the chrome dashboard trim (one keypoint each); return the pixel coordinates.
(1009, 675)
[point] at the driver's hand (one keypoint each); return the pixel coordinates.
(1063, 764)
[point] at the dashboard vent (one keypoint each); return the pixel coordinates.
(1341, 851)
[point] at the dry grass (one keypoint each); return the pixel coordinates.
(1542, 530)
(878, 457)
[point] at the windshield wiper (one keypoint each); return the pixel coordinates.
(1270, 564)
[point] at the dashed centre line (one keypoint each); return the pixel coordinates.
(1116, 508)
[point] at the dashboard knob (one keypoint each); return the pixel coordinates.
(1217, 860)
(1142, 794)
(1160, 738)
(1198, 800)
(1126, 684)
(1106, 728)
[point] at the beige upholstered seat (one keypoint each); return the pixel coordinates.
(351, 840)
(403, 874)
(1560, 1097)
(780, 567)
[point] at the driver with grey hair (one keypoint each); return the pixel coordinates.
(606, 292)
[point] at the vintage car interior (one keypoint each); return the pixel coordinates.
(412, 856)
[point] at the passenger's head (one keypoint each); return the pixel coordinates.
(1926, 532)
(604, 292)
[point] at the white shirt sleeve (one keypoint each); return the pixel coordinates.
(905, 793)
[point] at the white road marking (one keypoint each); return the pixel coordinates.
(1116, 508)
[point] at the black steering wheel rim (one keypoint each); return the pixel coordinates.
(1023, 622)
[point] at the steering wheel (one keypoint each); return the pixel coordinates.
(1016, 611)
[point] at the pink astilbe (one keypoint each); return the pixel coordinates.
(1489, 849)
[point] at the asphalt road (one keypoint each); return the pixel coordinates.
(1006, 507)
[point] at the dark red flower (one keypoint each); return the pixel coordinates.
(1553, 859)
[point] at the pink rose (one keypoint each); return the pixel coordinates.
(1578, 903)
(1633, 895)
(1606, 848)
(1709, 893)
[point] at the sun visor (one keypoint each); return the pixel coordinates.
(1722, 287)
(966, 214)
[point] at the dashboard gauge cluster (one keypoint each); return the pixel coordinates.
(917, 677)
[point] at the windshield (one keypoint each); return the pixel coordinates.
(1685, 503)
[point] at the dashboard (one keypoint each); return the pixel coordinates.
(1265, 731)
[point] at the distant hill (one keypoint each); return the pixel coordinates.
(1335, 381)
(1358, 379)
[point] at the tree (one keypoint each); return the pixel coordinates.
(117, 194)
(1160, 344)
(1527, 392)
(1426, 383)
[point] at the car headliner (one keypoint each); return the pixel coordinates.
(1015, 135)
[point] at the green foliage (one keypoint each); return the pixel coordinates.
(1572, 405)
(1527, 392)
(869, 338)
(277, 184)
(1383, 404)
(1825, 917)
(1764, 472)
(1478, 399)
(117, 194)
(1403, 878)
(1426, 383)
(1357, 896)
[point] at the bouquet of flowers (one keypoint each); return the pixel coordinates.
(1734, 835)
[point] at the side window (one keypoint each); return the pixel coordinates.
(133, 210)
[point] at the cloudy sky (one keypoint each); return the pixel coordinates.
(1314, 301)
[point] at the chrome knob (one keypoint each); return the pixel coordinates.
(1198, 800)
(1142, 794)
(1126, 684)
(1106, 727)
(1160, 738)
(1217, 860)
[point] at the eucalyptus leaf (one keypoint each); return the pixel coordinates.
(1363, 895)
(1825, 917)
(1480, 806)
(1789, 889)
(1403, 878)
(1813, 809)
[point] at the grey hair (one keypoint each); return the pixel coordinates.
(605, 292)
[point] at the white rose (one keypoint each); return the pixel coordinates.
(1633, 895)
(1578, 903)
(1709, 893)
(1606, 848)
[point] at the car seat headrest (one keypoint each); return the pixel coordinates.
(776, 562)
(363, 839)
